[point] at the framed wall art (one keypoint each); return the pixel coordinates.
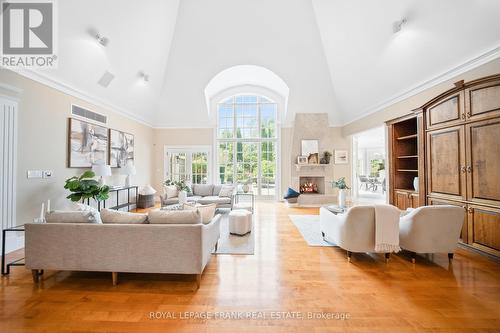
(121, 148)
(87, 144)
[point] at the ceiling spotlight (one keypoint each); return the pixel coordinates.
(144, 76)
(102, 40)
(397, 26)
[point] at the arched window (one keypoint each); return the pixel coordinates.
(247, 140)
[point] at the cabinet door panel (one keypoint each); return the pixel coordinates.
(401, 200)
(483, 101)
(483, 161)
(436, 202)
(446, 162)
(446, 112)
(484, 228)
(414, 200)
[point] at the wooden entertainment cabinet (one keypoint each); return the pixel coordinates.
(452, 143)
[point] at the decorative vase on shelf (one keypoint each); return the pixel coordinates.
(182, 197)
(341, 198)
(246, 188)
(415, 184)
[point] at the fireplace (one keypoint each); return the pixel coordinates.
(312, 185)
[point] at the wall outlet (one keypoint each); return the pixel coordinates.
(48, 174)
(34, 174)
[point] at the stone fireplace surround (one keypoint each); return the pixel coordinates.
(314, 126)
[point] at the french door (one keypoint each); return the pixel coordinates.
(191, 164)
(251, 162)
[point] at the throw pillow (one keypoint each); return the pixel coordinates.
(119, 217)
(226, 191)
(203, 190)
(174, 217)
(291, 193)
(171, 191)
(207, 212)
(64, 216)
(94, 213)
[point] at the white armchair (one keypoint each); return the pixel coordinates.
(431, 229)
(353, 231)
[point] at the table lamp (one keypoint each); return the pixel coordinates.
(129, 170)
(101, 170)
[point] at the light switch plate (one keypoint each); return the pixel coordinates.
(48, 174)
(34, 174)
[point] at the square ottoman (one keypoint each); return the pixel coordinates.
(240, 222)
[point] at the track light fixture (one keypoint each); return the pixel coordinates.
(397, 26)
(101, 39)
(144, 76)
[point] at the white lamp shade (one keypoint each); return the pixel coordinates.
(129, 170)
(101, 170)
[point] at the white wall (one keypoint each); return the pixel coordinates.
(42, 143)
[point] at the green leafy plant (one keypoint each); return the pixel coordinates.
(86, 187)
(340, 184)
(181, 185)
(327, 154)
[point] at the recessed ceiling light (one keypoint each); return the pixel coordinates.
(397, 26)
(144, 76)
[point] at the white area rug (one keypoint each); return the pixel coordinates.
(234, 244)
(308, 226)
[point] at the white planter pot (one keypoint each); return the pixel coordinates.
(246, 188)
(341, 198)
(182, 197)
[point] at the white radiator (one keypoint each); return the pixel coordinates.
(8, 145)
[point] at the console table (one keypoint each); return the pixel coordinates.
(118, 205)
(18, 262)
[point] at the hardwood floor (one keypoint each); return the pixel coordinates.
(284, 275)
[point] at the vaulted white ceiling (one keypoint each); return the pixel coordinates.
(336, 56)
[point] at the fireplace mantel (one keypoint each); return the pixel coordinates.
(300, 166)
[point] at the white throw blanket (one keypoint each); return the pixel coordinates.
(386, 228)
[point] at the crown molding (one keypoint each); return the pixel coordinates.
(72, 91)
(433, 81)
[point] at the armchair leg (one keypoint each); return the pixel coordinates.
(387, 256)
(413, 256)
(349, 255)
(114, 278)
(323, 235)
(450, 257)
(36, 275)
(216, 245)
(198, 281)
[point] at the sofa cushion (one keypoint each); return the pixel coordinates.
(71, 216)
(207, 212)
(216, 189)
(174, 217)
(214, 199)
(119, 217)
(194, 198)
(171, 201)
(226, 191)
(202, 189)
(171, 191)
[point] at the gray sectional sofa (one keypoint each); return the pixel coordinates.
(203, 194)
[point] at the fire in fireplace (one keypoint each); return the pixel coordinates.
(312, 185)
(309, 187)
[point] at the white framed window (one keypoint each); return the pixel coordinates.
(247, 143)
(191, 164)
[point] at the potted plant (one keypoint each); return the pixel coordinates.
(183, 188)
(342, 186)
(86, 187)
